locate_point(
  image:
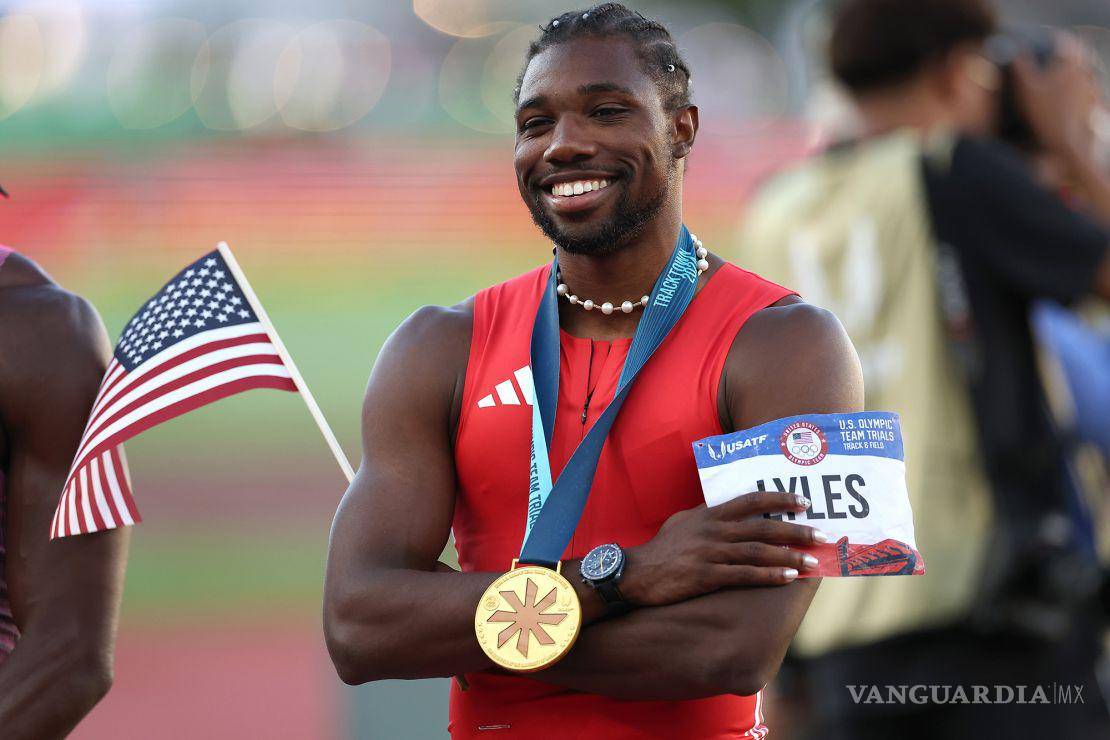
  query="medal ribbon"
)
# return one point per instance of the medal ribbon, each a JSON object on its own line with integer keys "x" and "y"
{"x": 555, "y": 508}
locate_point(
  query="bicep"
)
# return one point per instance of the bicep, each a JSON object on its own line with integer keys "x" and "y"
{"x": 806, "y": 365}
{"x": 397, "y": 511}
{"x": 48, "y": 392}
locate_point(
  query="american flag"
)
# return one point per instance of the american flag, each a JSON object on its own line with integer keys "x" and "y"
{"x": 804, "y": 437}
{"x": 196, "y": 341}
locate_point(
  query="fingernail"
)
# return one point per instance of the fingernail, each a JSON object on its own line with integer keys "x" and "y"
{"x": 802, "y": 501}
{"x": 819, "y": 536}
{"x": 810, "y": 561}
{"x": 790, "y": 574}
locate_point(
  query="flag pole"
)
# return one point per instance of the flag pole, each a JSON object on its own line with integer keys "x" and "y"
{"x": 298, "y": 380}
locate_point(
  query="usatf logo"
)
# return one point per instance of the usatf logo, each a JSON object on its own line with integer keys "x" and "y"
{"x": 803, "y": 443}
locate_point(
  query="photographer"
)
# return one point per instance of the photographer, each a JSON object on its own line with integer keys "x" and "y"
{"x": 931, "y": 237}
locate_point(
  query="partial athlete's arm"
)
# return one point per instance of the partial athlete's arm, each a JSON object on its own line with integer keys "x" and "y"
{"x": 731, "y": 641}
{"x": 65, "y": 594}
{"x": 388, "y": 613}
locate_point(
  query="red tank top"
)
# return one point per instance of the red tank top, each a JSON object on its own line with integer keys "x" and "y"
{"x": 8, "y": 630}
{"x": 645, "y": 474}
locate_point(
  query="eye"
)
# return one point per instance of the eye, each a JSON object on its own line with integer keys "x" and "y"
{"x": 609, "y": 111}
{"x": 531, "y": 124}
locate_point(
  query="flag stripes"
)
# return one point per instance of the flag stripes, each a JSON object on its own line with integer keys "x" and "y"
{"x": 195, "y": 342}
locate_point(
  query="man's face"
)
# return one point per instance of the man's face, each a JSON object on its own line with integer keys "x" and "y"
{"x": 590, "y": 118}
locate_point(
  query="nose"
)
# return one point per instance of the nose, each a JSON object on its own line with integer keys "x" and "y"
{"x": 570, "y": 142}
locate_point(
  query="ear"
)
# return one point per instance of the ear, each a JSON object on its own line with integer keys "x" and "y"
{"x": 685, "y": 125}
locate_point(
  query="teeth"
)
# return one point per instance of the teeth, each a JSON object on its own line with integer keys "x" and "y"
{"x": 566, "y": 189}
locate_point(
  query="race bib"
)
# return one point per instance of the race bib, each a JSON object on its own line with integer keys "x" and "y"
{"x": 851, "y": 468}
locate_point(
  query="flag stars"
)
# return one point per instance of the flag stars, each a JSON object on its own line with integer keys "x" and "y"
{"x": 244, "y": 314}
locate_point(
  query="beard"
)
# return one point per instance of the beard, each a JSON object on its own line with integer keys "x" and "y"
{"x": 624, "y": 225}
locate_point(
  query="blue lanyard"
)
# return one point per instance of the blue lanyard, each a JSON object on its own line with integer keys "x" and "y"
{"x": 554, "y": 509}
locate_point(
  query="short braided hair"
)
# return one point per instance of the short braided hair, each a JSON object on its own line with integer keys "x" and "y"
{"x": 654, "y": 45}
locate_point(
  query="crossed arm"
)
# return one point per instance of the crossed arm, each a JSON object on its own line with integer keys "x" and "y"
{"x": 65, "y": 594}
{"x": 390, "y": 613}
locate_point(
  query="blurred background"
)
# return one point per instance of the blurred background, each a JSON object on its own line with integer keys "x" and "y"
{"x": 357, "y": 158}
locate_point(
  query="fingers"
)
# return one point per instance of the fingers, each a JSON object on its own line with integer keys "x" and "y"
{"x": 768, "y": 556}
{"x": 774, "y": 531}
{"x": 760, "y": 502}
{"x": 751, "y": 575}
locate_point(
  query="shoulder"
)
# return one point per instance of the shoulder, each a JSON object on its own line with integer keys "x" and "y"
{"x": 426, "y": 355}
{"x": 17, "y": 270}
{"x": 793, "y": 328}
{"x": 432, "y": 327}
{"x": 792, "y": 357}
{"x": 53, "y": 345}
{"x": 34, "y": 307}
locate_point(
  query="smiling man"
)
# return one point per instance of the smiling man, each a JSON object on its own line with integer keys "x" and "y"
{"x": 685, "y": 611}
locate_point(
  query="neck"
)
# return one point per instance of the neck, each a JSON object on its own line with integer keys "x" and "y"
{"x": 912, "y": 106}
{"x": 624, "y": 275}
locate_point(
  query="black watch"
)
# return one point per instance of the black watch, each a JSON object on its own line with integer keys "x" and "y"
{"x": 602, "y": 569}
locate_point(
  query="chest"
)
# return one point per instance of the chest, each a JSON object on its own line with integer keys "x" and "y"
{"x": 646, "y": 470}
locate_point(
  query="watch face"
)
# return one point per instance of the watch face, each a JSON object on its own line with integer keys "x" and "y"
{"x": 602, "y": 562}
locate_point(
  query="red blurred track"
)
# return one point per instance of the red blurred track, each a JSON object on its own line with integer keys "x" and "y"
{"x": 228, "y": 682}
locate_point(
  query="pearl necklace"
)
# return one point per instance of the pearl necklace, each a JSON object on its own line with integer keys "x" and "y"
{"x": 628, "y": 306}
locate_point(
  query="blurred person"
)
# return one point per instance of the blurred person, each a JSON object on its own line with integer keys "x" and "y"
{"x": 59, "y": 600}
{"x": 604, "y": 125}
{"x": 930, "y": 239}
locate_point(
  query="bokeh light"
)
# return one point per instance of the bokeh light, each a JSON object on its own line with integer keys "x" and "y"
{"x": 738, "y": 77}
{"x": 477, "y": 63}
{"x": 465, "y": 18}
{"x": 61, "y": 25}
{"x": 238, "y": 93}
{"x": 156, "y": 72}
{"x": 500, "y": 72}
{"x": 331, "y": 74}
{"x": 22, "y": 55}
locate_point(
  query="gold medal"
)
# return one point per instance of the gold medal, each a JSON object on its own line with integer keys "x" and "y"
{"x": 528, "y": 618}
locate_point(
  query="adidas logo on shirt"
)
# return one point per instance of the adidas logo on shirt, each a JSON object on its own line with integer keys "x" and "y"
{"x": 506, "y": 393}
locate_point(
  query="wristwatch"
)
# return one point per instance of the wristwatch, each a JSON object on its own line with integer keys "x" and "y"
{"x": 602, "y": 569}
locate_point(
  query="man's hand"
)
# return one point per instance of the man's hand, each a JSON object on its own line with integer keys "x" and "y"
{"x": 701, "y": 550}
